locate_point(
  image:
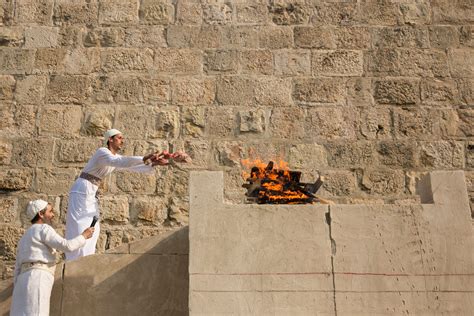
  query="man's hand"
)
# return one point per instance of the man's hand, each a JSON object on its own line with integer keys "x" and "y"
{"x": 88, "y": 232}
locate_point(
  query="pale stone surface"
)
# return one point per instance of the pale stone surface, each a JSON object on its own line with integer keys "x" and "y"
{"x": 118, "y": 11}
{"x": 76, "y": 150}
{"x": 293, "y": 62}
{"x": 178, "y": 61}
{"x": 54, "y": 180}
{"x": 60, "y": 120}
{"x": 16, "y": 61}
{"x": 126, "y": 59}
{"x": 34, "y": 11}
{"x": 33, "y": 152}
{"x": 5, "y": 152}
{"x": 114, "y": 209}
{"x": 149, "y": 210}
{"x": 7, "y": 87}
{"x": 252, "y": 121}
{"x": 8, "y": 210}
{"x": 248, "y": 278}
{"x": 336, "y": 63}
{"x": 331, "y": 123}
{"x": 399, "y": 91}
{"x": 41, "y": 37}
{"x": 31, "y": 89}
{"x": 320, "y": 90}
{"x": 68, "y": 89}
{"x": 133, "y": 182}
{"x": 156, "y": 12}
{"x": 193, "y": 91}
{"x": 314, "y": 37}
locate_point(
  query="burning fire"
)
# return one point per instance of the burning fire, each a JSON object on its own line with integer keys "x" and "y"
{"x": 274, "y": 183}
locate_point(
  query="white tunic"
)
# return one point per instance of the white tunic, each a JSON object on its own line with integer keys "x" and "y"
{"x": 83, "y": 204}
{"x": 32, "y": 288}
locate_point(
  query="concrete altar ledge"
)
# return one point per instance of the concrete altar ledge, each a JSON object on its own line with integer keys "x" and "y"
{"x": 331, "y": 259}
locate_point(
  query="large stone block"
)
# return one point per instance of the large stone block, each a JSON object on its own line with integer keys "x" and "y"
{"x": 223, "y": 122}
{"x": 423, "y": 63}
{"x": 235, "y": 91}
{"x": 398, "y": 154}
{"x": 382, "y": 62}
{"x": 275, "y": 37}
{"x": 41, "y": 36}
{"x": 134, "y": 182}
{"x": 8, "y": 210}
{"x": 375, "y": 123}
{"x": 397, "y": 91}
{"x": 442, "y": 154}
{"x": 166, "y": 124}
{"x": 404, "y": 36}
{"x": 82, "y": 61}
{"x": 10, "y": 235}
{"x": 118, "y": 11}
{"x": 319, "y": 37}
{"x": 145, "y": 36}
{"x": 288, "y": 123}
{"x": 76, "y": 149}
{"x": 242, "y": 36}
{"x": 157, "y": 12}
{"x": 383, "y": 182}
{"x": 149, "y": 210}
{"x": 98, "y": 119}
{"x": 114, "y": 209}
{"x": 76, "y": 12}
{"x": 251, "y": 12}
{"x": 5, "y": 152}
{"x": 71, "y": 35}
{"x": 252, "y": 121}
{"x": 221, "y": 61}
{"x": 188, "y": 12}
{"x": 466, "y": 37}
{"x": 229, "y": 153}
{"x": 448, "y": 12}
{"x": 34, "y": 11}
{"x": 193, "y": 91}
{"x": 339, "y": 183}
{"x": 293, "y": 62}
{"x": 217, "y": 12}
{"x": 354, "y": 37}
{"x": 461, "y": 63}
{"x": 273, "y": 92}
{"x": 68, "y": 89}
{"x": 337, "y": 63}
{"x": 33, "y": 152}
{"x": 126, "y": 59}
{"x": 104, "y": 37}
{"x": 54, "y": 180}
{"x": 466, "y": 123}
{"x": 136, "y": 122}
{"x": 7, "y": 88}
{"x": 18, "y": 119}
{"x": 16, "y": 61}
{"x": 307, "y": 156}
{"x": 15, "y": 179}
{"x": 351, "y": 155}
{"x": 7, "y": 10}
{"x": 30, "y": 89}
{"x": 49, "y": 60}
{"x": 444, "y": 36}
{"x": 418, "y": 13}
{"x": 60, "y": 120}
{"x": 379, "y": 13}
{"x": 12, "y": 36}
{"x": 178, "y": 61}
{"x": 335, "y": 13}
{"x": 204, "y": 36}
{"x": 331, "y": 123}
{"x": 319, "y": 90}
{"x": 194, "y": 121}
{"x": 289, "y": 12}
{"x": 437, "y": 91}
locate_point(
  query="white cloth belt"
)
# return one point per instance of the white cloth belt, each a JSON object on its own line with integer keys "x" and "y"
{"x": 50, "y": 267}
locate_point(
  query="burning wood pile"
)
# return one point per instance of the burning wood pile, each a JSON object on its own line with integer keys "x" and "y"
{"x": 267, "y": 185}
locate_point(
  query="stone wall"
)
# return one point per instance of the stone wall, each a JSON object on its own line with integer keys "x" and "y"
{"x": 371, "y": 94}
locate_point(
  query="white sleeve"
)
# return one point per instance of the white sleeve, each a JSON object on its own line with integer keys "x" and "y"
{"x": 17, "y": 269}
{"x": 53, "y": 240}
{"x": 106, "y": 158}
{"x": 140, "y": 168}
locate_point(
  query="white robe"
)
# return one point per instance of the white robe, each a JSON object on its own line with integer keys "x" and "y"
{"x": 32, "y": 288}
{"x": 83, "y": 204}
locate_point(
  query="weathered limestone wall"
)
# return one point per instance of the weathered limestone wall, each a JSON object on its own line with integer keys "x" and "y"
{"x": 370, "y": 93}
{"x": 331, "y": 259}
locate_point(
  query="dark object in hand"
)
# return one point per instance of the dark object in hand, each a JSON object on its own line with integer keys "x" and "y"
{"x": 94, "y": 220}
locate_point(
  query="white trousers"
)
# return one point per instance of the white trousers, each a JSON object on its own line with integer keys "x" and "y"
{"x": 80, "y": 211}
{"x": 31, "y": 293}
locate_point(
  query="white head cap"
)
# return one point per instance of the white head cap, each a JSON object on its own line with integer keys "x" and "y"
{"x": 110, "y": 133}
{"x": 34, "y": 207}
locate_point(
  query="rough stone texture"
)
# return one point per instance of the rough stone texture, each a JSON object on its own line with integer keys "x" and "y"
{"x": 375, "y": 86}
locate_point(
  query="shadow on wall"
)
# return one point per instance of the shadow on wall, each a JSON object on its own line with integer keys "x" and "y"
{"x": 147, "y": 277}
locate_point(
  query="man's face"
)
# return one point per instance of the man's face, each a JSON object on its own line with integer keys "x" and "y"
{"x": 116, "y": 142}
{"x": 48, "y": 215}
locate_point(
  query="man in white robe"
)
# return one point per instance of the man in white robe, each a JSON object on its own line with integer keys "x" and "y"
{"x": 36, "y": 261}
{"x": 83, "y": 204}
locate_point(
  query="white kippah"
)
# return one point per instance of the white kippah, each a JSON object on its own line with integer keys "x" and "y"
{"x": 110, "y": 133}
{"x": 34, "y": 207}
